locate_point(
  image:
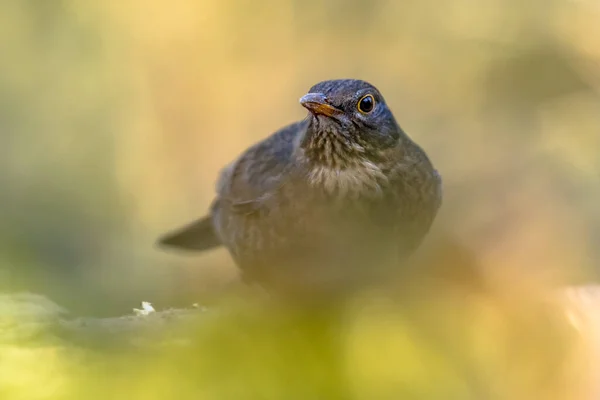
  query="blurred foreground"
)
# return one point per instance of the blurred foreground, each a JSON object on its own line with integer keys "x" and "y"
{"x": 436, "y": 338}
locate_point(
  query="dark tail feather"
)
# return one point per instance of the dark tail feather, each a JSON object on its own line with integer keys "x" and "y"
{"x": 197, "y": 236}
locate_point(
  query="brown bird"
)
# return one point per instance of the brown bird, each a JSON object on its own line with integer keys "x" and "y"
{"x": 324, "y": 205}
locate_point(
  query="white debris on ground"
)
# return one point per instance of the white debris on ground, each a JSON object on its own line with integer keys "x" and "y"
{"x": 146, "y": 309}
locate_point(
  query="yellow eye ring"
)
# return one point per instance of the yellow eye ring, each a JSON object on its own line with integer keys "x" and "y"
{"x": 366, "y": 104}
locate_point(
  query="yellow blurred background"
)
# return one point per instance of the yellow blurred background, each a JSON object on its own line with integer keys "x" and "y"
{"x": 116, "y": 117}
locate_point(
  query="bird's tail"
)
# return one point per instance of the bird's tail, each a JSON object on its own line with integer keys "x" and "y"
{"x": 197, "y": 236}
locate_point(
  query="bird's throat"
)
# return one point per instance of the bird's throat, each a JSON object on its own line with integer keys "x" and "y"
{"x": 340, "y": 165}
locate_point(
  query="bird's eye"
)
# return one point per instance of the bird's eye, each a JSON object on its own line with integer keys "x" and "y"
{"x": 366, "y": 104}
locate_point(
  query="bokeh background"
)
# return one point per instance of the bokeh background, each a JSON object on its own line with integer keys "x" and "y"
{"x": 116, "y": 116}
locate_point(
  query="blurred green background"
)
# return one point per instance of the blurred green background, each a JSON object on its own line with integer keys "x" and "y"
{"x": 116, "y": 116}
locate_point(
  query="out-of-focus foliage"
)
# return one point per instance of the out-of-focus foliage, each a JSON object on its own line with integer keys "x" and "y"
{"x": 444, "y": 347}
{"x": 115, "y": 118}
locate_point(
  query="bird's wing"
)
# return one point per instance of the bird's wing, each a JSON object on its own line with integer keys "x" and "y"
{"x": 249, "y": 182}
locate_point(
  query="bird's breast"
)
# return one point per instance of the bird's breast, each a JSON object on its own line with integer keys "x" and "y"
{"x": 362, "y": 178}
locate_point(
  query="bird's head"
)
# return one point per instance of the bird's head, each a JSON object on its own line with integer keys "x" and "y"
{"x": 350, "y": 112}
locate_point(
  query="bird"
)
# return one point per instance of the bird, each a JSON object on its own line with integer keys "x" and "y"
{"x": 324, "y": 206}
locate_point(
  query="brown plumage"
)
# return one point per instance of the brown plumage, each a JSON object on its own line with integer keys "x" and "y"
{"x": 323, "y": 205}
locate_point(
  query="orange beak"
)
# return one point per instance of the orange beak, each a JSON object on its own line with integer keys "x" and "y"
{"x": 317, "y": 103}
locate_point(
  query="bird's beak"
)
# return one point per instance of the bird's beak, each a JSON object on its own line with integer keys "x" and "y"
{"x": 317, "y": 103}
